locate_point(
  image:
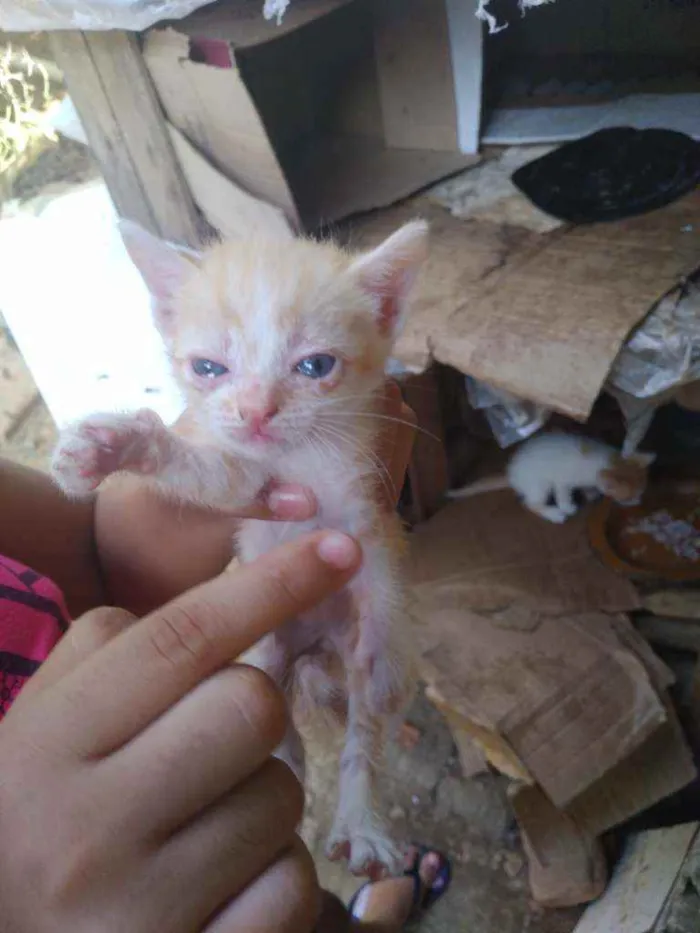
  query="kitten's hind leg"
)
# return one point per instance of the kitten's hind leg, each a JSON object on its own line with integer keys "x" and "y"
{"x": 538, "y": 505}
{"x": 564, "y": 498}
{"x": 358, "y": 832}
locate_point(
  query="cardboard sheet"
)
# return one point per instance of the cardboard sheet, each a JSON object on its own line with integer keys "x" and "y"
{"x": 507, "y": 612}
{"x": 329, "y": 146}
{"x": 490, "y": 554}
{"x": 569, "y": 706}
{"x": 524, "y": 645}
{"x": 566, "y": 864}
{"x": 541, "y": 316}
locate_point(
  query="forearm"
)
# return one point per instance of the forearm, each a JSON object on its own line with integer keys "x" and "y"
{"x": 43, "y": 529}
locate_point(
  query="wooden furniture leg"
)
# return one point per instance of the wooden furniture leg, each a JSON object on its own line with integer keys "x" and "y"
{"x": 117, "y": 103}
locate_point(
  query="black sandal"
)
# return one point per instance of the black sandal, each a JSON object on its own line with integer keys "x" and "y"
{"x": 423, "y": 898}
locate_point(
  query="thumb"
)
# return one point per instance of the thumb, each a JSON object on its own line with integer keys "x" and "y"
{"x": 86, "y": 635}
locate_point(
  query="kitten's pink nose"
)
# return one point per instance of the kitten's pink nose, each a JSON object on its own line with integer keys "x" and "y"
{"x": 256, "y": 417}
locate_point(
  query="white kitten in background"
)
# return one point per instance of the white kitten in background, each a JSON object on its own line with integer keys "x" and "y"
{"x": 546, "y": 470}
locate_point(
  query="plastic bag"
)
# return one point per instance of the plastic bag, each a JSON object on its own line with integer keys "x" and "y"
{"x": 33, "y": 15}
{"x": 664, "y": 351}
{"x": 510, "y": 418}
{"x": 660, "y": 356}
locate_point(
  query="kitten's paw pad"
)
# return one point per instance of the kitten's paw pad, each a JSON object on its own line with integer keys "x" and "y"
{"x": 368, "y": 849}
{"x": 90, "y": 450}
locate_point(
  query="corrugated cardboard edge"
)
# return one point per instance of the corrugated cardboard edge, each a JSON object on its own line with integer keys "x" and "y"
{"x": 494, "y": 747}
{"x": 228, "y": 208}
{"x": 566, "y": 863}
{"x": 200, "y": 99}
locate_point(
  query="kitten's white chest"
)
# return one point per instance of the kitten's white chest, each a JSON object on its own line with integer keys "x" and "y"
{"x": 342, "y": 500}
{"x": 337, "y": 509}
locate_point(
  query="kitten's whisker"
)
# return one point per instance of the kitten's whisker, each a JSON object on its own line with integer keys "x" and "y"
{"x": 373, "y": 414}
{"x": 369, "y": 456}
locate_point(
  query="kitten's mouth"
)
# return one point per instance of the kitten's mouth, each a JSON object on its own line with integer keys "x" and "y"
{"x": 260, "y": 437}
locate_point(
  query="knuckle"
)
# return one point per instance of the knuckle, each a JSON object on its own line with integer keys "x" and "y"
{"x": 296, "y": 887}
{"x": 272, "y": 811}
{"x": 100, "y": 626}
{"x": 259, "y": 703}
{"x": 285, "y": 587}
{"x": 289, "y": 793}
{"x": 181, "y": 637}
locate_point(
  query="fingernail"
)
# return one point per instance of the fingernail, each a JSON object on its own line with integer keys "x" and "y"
{"x": 338, "y": 550}
{"x": 290, "y": 501}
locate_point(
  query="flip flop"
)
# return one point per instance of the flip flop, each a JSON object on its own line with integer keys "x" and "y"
{"x": 423, "y": 898}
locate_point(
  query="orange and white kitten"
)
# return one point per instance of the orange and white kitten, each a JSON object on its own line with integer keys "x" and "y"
{"x": 280, "y": 345}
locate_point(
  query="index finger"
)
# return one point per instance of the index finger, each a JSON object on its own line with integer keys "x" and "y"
{"x": 140, "y": 674}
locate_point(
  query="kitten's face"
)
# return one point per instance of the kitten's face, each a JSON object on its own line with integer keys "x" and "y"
{"x": 277, "y": 342}
{"x": 626, "y": 478}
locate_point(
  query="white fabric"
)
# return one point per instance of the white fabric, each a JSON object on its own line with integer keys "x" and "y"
{"x": 136, "y": 15}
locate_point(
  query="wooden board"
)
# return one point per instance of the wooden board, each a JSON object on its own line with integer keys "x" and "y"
{"x": 117, "y": 104}
{"x": 641, "y": 883}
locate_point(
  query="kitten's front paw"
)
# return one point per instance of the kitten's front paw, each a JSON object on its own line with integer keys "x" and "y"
{"x": 552, "y": 514}
{"x": 90, "y": 450}
{"x": 367, "y": 847}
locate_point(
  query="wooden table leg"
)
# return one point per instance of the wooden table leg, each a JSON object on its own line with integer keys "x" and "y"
{"x": 117, "y": 103}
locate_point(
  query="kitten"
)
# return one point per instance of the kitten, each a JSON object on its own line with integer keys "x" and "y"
{"x": 548, "y": 469}
{"x": 279, "y": 346}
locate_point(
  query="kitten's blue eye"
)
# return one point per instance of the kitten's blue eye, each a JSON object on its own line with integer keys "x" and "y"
{"x": 209, "y": 369}
{"x": 317, "y": 366}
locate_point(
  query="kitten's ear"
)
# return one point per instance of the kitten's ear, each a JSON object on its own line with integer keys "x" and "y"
{"x": 642, "y": 459}
{"x": 388, "y": 272}
{"x": 163, "y": 267}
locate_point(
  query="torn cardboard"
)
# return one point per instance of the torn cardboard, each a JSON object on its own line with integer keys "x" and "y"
{"x": 570, "y": 707}
{"x": 489, "y": 553}
{"x": 540, "y": 316}
{"x": 228, "y": 208}
{"x": 566, "y": 864}
{"x": 515, "y": 649}
{"x": 332, "y": 144}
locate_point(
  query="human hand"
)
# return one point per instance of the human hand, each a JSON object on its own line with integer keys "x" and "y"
{"x": 150, "y": 549}
{"x": 138, "y": 793}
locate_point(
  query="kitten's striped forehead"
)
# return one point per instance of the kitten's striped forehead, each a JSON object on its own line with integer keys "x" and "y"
{"x": 260, "y": 301}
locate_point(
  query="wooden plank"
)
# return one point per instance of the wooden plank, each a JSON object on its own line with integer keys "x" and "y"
{"x": 642, "y": 882}
{"x": 682, "y": 914}
{"x": 428, "y": 470}
{"x": 672, "y": 632}
{"x": 114, "y": 96}
{"x": 684, "y": 603}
